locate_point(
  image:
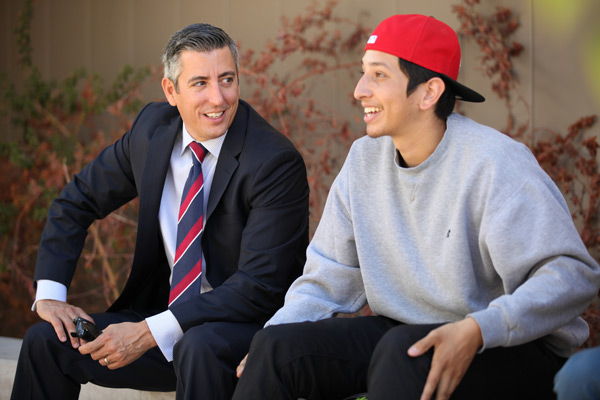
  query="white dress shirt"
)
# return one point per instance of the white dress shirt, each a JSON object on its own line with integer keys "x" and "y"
{"x": 164, "y": 326}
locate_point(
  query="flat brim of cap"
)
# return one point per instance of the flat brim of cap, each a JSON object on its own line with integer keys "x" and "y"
{"x": 461, "y": 92}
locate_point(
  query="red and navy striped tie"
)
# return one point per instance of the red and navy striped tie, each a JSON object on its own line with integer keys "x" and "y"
{"x": 187, "y": 266}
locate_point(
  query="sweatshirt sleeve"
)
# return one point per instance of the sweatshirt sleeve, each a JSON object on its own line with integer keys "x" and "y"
{"x": 332, "y": 281}
{"x": 548, "y": 275}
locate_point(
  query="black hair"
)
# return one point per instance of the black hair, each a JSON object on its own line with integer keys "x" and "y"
{"x": 417, "y": 75}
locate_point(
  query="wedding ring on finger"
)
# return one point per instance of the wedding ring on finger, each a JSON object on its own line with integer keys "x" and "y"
{"x": 106, "y": 361}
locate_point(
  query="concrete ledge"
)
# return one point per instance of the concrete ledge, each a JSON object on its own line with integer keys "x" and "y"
{"x": 9, "y": 353}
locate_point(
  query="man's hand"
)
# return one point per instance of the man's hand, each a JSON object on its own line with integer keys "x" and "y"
{"x": 61, "y": 315}
{"x": 455, "y": 346}
{"x": 120, "y": 344}
{"x": 240, "y": 368}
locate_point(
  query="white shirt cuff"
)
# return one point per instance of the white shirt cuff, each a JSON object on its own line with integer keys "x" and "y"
{"x": 166, "y": 332}
{"x": 49, "y": 290}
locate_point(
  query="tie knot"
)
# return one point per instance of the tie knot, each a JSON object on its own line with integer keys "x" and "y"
{"x": 198, "y": 152}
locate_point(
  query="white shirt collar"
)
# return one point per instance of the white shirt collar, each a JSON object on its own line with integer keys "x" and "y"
{"x": 213, "y": 145}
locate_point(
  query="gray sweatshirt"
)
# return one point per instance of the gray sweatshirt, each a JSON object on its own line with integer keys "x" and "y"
{"x": 478, "y": 229}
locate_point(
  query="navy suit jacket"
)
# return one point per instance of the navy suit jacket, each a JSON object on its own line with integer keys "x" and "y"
{"x": 256, "y": 230}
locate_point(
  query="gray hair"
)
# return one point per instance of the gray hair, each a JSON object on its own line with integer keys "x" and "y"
{"x": 195, "y": 37}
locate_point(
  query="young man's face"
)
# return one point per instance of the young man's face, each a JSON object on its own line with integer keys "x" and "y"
{"x": 382, "y": 93}
{"x": 208, "y": 92}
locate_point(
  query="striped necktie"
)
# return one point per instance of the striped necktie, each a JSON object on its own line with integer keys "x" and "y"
{"x": 187, "y": 265}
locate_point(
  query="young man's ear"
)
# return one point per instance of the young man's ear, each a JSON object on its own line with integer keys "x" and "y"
{"x": 169, "y": 90}
{"x": 433, "y": 90}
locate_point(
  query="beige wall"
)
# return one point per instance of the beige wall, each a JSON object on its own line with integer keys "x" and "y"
{"x": 103, "y": 35}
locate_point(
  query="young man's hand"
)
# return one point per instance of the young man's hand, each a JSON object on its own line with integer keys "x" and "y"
{"x": 455, "y": 345}
{"x": 240, "y": 368}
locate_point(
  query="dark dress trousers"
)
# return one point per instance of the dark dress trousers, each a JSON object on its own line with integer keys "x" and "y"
{"x": 254, "y": 244}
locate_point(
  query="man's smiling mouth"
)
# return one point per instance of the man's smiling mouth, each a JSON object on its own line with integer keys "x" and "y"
{"x": 372, "y": 110}
{"x": 214, "y": 115}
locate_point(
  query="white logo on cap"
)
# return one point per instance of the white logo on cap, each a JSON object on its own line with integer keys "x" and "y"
{"x": 372, "y": 39}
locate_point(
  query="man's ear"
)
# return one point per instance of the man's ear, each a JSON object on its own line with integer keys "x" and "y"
{"x": 169, "y": 90}
{"x": 434, "y": 88}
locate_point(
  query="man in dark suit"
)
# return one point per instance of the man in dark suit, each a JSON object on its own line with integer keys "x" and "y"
{"x": 253, "y": 231}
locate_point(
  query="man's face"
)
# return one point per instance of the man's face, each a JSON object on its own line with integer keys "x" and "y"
{"x": 208, "y": 92}
{"x": 382, "y": 93}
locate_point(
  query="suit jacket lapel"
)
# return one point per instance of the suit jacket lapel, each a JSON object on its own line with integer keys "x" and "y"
{"x": 155, "y": 171}
{"x": 228, "y": 158}
{"x": 148, "y": 249}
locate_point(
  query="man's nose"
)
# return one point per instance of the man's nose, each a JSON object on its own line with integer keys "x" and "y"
{"x": 215, "y": 95}
{"x": 361, "y": 90}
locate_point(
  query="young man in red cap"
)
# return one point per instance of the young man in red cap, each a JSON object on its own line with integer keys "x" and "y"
{"x": 461, "y": 245}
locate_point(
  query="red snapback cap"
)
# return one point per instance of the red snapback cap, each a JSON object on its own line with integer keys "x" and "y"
{"x": 424, "y": 41}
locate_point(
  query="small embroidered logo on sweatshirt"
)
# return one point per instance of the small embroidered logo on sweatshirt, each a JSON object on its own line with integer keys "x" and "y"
{"x": 448, "y": 234}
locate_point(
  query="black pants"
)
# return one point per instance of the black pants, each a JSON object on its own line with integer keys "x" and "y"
{"x": 335, "y": 358}
{"x": 203, "y": 366}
